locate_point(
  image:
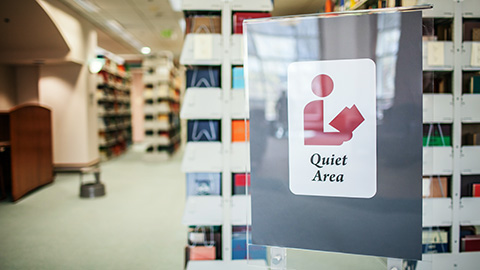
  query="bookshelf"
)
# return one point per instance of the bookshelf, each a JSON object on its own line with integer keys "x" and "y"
{"x": 114, "y": 115}
{"x": 211, "y": 53}
{"x": 449, "y": 58}
{"x": 161, "y": 97}
{"x": 449, "y": 61}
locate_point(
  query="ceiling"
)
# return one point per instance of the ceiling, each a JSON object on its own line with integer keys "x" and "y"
{"x": 127, "y": 25}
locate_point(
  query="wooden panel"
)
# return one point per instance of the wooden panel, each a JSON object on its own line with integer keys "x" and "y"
{"x": 31, "y": 148}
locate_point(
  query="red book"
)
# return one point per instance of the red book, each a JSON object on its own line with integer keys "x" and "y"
{"x": 476, "y": 190}
{"x": 471, "y": 243}
{"x": 239, "y": 17}
{"x": 240, "y": 183}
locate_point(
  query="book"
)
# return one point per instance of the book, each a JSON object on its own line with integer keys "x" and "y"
{"x": 434, "y": 241}
{"x": 240, "y": 130}
{"x": 471, "y": 139}
{"x": 200, "y": 184}
{"x": 238, "y": 81}
{"x": 476, "y": 34}
{"x": 476, "y": 190}
{"x": 470, "y": 243}
{"x": 200, "y": 24}
{"x": 240, "y": 251}
{"x": 203, "y": 77}
{"x": 475, "y": 84}
{"x": 437, "y": 135}
{"x": 435, "y": 187}
{"x": 203, "y": 130}
{"x": 239, "y": 17}
{"x": 467, "y": 185}
{"x": 240, "y": 183}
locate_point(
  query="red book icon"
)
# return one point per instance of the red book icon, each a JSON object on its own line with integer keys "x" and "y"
{"x": 345, "y": 122}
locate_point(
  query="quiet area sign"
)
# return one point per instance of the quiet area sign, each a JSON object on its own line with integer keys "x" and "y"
{"x": 332, "y": 128}
{"x": 335, "y": 106}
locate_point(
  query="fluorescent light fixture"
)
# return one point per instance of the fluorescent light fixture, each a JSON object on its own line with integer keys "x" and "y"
{"x": 88, "y": 6}
{"x": 176, "y": 5}
{"x": 115, "y": 26}
{"x": 146, "y": 50}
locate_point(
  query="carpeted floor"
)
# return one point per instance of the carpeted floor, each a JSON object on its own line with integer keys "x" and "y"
{"x": 137, "y": 225}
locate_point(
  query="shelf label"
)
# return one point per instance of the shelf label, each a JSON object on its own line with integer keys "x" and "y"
{"x": 435, "y": 54}
{"x": 202, "y": 47}
{"x": 475, "y": 61}
{"x": 332, "y": 128}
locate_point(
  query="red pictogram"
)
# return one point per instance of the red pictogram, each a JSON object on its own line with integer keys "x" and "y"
{"x": 345, "y": 122}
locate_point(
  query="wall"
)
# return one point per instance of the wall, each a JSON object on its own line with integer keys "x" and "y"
{"x": 7, "y": 87}
{"x": 26, "y": 79}
{"x": 69, "y": 89}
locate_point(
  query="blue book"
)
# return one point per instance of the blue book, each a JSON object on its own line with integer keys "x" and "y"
{"x": 238, "y": 81}
{"x": 203, "y": 77}
{"x": 203, "y": 130}
{"x": 239, "y": 248}
{"x": 199, "y": 184}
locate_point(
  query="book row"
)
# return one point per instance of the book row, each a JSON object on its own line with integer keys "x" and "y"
{"x": 206, "y": 184}
{"x": 210, "y": 130}
{"x": 436, "y": 134}
{"x": 205, "y": 243}
{"x": 440, "y": 82}
{"x": 437, "y": 240}
{"x": 210, "y": 22}
{"x": 203, "y": 76}
{"x": 441, "y": 29}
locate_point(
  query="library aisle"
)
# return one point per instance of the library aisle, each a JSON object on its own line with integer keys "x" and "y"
{"x": 137, "y": 225}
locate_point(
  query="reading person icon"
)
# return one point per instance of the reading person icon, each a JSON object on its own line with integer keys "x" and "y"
{"x": 313, "y": 121}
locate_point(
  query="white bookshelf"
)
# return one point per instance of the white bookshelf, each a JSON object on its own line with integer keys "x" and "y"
{"x": 437, "y": 55}
{"x": 194, "y": 158}
{"x": 224, "y": 50}
{"x": 203, "y": 211}
{"x": 437, "y": 108}
{"x": 455, "y": 161}
{"x": 470, "y": 108}
{"x": 437, "y": 160}
{"x": 230, "y": 265}
{"x": 202, "y": 49}
{"x": 470, "y": 48}
{"x": 202, "y": 103}
{"x": 437, "y": 212}
{"x": 238, "y": 104}
{"x": 470, "y": 160}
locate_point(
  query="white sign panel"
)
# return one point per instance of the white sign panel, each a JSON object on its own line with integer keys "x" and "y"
{"x": 332, "y": 128}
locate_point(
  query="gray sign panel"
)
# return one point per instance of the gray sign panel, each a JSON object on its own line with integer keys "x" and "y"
{"x": 386, "y": 219}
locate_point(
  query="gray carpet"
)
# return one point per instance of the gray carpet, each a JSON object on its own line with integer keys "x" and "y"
{"x": 137, "y": 225}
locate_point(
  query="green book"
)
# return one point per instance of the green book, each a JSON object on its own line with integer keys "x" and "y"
{"x": 475, "y": 85}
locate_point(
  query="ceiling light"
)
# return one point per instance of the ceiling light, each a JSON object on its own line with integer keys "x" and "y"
{"x": 145, "y": 50}
{"x": 96, "y": 65}
{"x": 88, "y": 6}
